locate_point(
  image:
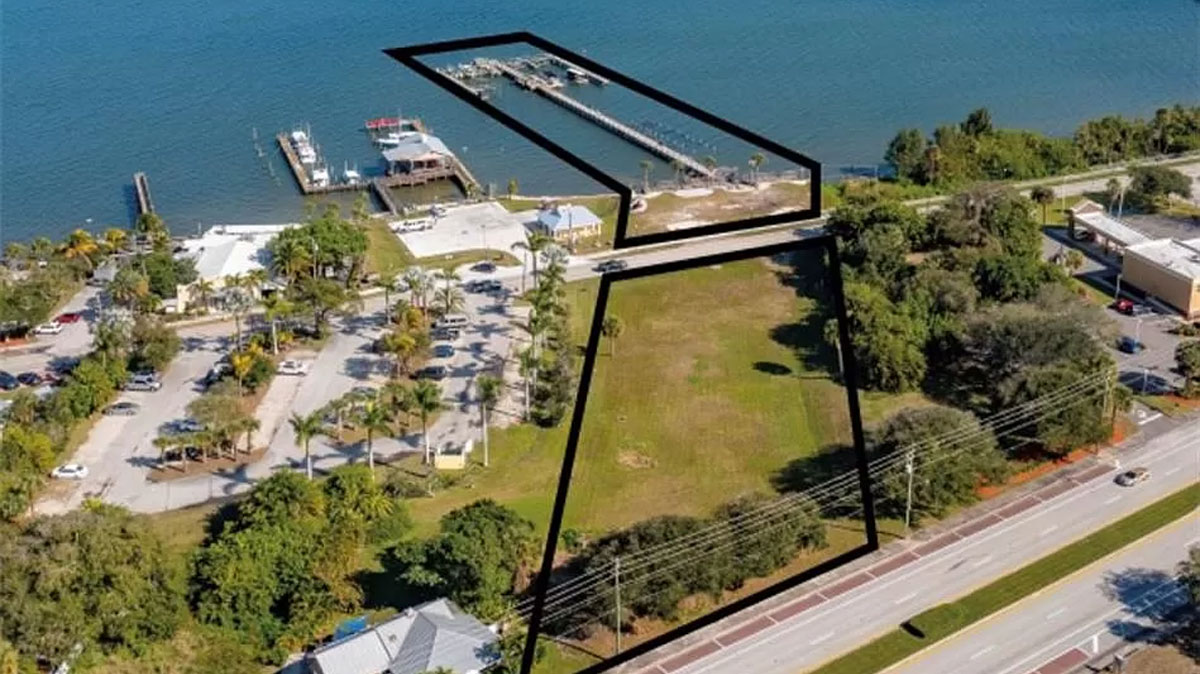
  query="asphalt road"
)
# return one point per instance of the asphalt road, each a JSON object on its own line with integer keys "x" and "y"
{"x": 839, "y": 624}
{"x": 1104, "y": 602}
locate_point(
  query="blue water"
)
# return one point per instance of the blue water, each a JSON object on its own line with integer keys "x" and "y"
{"x": 93, "y": 92}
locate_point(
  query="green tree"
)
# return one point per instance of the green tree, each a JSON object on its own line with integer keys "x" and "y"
{"x": 321, "y": 297}
{"x": 906, "y": 155}
{"x": 1151, "y": 187}
{"x": 127, "y": 287}
{"x": 154, "y": 345}
{"x": 275, "y": 307}
{"x": 487, "y": 388}
{"x": 612, "y": 328}
{"x": 1043, "y": 196}
{"x": 978, "y": 123}
{"x": 1187, "y": 357}
{"x": 888, "y": 344}
{"x": 513, "y": 186}
{"x": 81, "y": 246}
{"x": 97, "y": 577}
{"x": 756, "y": 162}
{"x": 426, "y": 399}
{"x": 306, "y": 427}
{"x": 951, "y": 455}
{"x": 152, "y": 229}
{"x": 373, "y": 417}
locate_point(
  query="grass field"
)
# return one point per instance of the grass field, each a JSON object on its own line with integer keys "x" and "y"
{"x": 942, "y": 621}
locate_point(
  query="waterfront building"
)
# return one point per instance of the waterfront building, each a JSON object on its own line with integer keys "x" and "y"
{"x": 415, "y": 152}
{"x": 568, "y": 222}
{"x": 224, "y": 251}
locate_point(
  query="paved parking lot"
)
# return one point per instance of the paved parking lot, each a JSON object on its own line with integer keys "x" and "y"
{"x": 472, "y": 227}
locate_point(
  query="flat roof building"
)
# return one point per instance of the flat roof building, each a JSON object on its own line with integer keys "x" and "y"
{"x": 567, "y": 222}
{"x": 1168, "y": 270}
{"x": 225, "y": 250}
{"x": 1109, "y": 232}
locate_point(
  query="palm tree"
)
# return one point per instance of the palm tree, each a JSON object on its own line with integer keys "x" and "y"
{"x": 450, "y": 299}
{"x": 338, "y": 408}
{"x": 1042, "y": 195}
{"x": 80, "y": 245}
{"x": 756, "y": 160}
{"x": 487, "y": 388}
{"x": 290, "y": 258}
{"x": 253, "y": 281}
{"x": 41, "y": 249}
{"x": 529, "y": 367}
{"x": 115, "y": 239}
{"x": 203, "y": 290}
{"x": 403, "y": 345}
{"x": 236, "y": 302}
{"x": 127, "y": 287}
{"x": 535, "y": 243}
{"x": 512, "y": 187}
{"x": 111, "y": 337}
{"x": 306, "y": 427}
{"x": 374, "y": 418}
{"x": 833, "y": 338}
{"x": 387, "y": 282}
{"x": 680, "y": 170}
{"x": 647, "y": 167}
{"x": 426, "y": 399}
{"x": 418, "y": 283}
{"x": 447, "y": 276}
{"x": 1112, "y": 189}
{"x": 241, "y": 363}
{"x": 276, "y": 306}
{"x": 152, "y": 227}
{"x": 710, "y": 163}
{"x": 612, "y": 327}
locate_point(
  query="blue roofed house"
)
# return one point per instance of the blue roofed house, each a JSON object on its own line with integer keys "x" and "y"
{"x": 568, "y": 222}
{"x": 415, "y": 152}
{"x": 421, "y": 638}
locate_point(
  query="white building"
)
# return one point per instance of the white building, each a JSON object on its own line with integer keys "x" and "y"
{"x": 226, "y": 250}
{"x": 568, "y": 222}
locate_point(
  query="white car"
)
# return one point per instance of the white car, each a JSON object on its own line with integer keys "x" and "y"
{"x": 70, "y": 471}
{"x": 294, "y": 367}
{"x": 51, "y": 328}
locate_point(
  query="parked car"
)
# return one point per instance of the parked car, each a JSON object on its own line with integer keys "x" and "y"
{"x": 143, "y": 381}
{"x": 484, "y": 267}
{"x": 433, "y": 372}
{"x": 30, "y": 378}
{"x": 443, "y": 350}
{"x": 611, "y": 265}
{"x": 451, "y": 321}
{"x": 9, "y": 382}
{"x": 1128, "y": 344}
{"x": 69, "y": 317}
{"x": 1133, "y": 477}
{"x": 51, "y": 328}
{"x": 70, "y": 471}
{"x": 188, "y": 425}
{"x": 214, "y": 375}
{"x": 293, "y": 367}
{"x": 1124, "y": 306}
{"x": 125, "y": 409}
{"x": 1142, "y": 310}
{"x": 446, "y": 334}
{"x": 490, "y": 285}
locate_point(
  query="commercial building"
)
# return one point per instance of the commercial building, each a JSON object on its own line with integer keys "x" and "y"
{"x": 1112, "y": 235}
{"x": 415, "y": 152}
{"x": 224, "y": 251}
{"x": 1168, "y": 270}
{"x": 423, "y": 638}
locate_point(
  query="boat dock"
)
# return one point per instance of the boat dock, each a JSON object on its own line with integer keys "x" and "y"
{"x": 568, "y": 66}
{"x": 384, "y": 195}
{"x": 540, "y": 86}
{"x": 141, "y": 186}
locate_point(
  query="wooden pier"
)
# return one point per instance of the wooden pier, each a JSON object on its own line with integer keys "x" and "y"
{"x": 141, "y": 186}
{"x": 567, "y": 65}
{"x": 384, "y": 195}
{"x": 536, "y": 84}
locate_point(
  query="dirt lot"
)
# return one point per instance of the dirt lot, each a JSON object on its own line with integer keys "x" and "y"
{"x": 693, "y": 208}
{"x": 1161, "y": 660}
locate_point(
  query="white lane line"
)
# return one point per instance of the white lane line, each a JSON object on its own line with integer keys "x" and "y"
{"x": 981, "y": 562}
{"x": 905, "y": 598}
{"x": 1152, "y": 417}
{"x": 983, "y": 652}
{"x": 1048, "y": 530}
{"x": 1112, "y": 499}
{"x": 1055, "y": 613}
{"x": 823, "y": 637}
{"x": 1174, "y": 470}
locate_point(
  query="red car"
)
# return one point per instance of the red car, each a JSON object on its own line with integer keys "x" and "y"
{"x": 1124, "y": 306}
{"x": 69, "y": 317}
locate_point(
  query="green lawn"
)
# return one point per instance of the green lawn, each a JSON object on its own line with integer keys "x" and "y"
{"x": 942, "y": 621}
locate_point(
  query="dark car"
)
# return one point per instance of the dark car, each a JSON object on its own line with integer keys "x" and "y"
{"x": 432, "y": 372}
{"x": 447, "y": 334}
{"x": 484, "y": 286}
{"x": 484, "y": 267}
{"x": 30, "y": 378}
{"x": 1130, "y": 345}
{"x": 8, "y": 382}
{"x": 611, "y": 265}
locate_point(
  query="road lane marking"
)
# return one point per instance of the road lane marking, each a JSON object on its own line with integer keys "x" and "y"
{"x": 1152, "y": 417}
{"x": 1112, "y": 499}
{"x": 823, "y": 637}
{"x": 981, "y": 562}
{"x": 1048, "y": 530}
{"x": 905, "y": 598}
{"x": 983, "y": 652}
{"x": 1055, "y": 613}
{"x": 1174, "y": 470}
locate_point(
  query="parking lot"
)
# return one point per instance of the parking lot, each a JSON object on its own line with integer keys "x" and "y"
{"x": 472, "y": 227}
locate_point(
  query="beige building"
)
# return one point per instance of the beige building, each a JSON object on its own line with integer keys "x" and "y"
{"x": 1167, "y": 269}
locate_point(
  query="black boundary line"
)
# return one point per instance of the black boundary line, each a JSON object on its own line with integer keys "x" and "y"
{"x": 825, "y": 242}
{"x": 408, "y": 57}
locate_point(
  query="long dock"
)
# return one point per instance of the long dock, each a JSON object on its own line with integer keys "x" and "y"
{"x": 385, "y": 196}
{"x": 536, "y": 84}
{"x": 141, "y": 186}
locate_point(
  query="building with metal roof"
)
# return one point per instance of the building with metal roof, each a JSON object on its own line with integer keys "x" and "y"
{"x": 226, "y": 250}
{"x": 567, "y": 222}
{"x": 1168, "y": 270}
{"x": 415, "y": 151}
{"x": 1108, "y": 231}
{"x": 422, "y": 638}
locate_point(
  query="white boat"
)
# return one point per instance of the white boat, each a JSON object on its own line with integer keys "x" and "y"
{"x": 394, "y": 138}
{"x": 320, "y": 176}
{"x": 351, "y": 175}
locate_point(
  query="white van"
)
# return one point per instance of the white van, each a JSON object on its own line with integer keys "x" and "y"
{"x": 451, "y": 321}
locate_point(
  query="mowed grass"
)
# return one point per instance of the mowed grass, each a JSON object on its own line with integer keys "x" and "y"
{"x": 706, "y": 396}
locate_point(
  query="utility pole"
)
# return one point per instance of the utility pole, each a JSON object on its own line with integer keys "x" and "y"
{"x": 617, "y": 587}
{"x": 1118, "y": 295}
{"x": 908, "y": 468}
{"x": 1145, "y": 377}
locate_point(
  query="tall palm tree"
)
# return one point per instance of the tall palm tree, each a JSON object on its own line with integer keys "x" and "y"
{"x": 275, "y": 306}
{"x": 80, "y": 245}
{"x": 253, "y": 281}
{"x": 374, "y": 418}
{"x": 512, "y": 187}
{"x": 448, "y": 277}
{"x": 127, "y": 287}
{"x": 403, "y": 345}
{"x": 487, "y": 388}
{"x": 203, "y": 290}
{"x": 647, "y": 167}
{"x": 418, "y": 283}
{"x": 115, "y": 239}
{"x": 426, "y": 399}
{"x": 612, "y": 327}
{"x": 388, "y": 283}
{"x": 450, "y": 299}
{"x": 111, "y": 336}
{"x": 306, "y": 427}
{"x": 241, "y": 363}
{"x": 756, "y": 161}
{"x": 535, "y": 243}
{"x": 290, "y": 258}
{"x": 338, "y": 408}
{"x": 1043, "y": 196}
{"x": 236, "y": 301}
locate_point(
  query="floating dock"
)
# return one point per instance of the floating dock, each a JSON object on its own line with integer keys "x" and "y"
{"x": 540, "y": 86}
{"x": 141, "y": 186}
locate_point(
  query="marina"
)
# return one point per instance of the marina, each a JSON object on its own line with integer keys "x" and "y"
{"x": 531, "y": 73}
